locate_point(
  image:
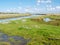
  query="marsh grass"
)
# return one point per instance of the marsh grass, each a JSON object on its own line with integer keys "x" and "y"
{"x": 4, "y": 43}
{"x": 55, "y": 20}
{"x": 40, "y": 32}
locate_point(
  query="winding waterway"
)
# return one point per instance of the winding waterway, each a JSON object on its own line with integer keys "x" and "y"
{"x": 18, "y": 18}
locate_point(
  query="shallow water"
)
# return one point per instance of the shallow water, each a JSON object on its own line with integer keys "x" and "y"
{"x": 13, "y": 40}
{"x": 47, "y": 19}
{"x": 18, "y": 18}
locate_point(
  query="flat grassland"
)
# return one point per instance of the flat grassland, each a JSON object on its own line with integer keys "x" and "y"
{"x": 35, "y": 29}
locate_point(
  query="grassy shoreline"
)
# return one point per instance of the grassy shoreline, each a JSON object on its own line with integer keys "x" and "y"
{"x": 4, "y": 16}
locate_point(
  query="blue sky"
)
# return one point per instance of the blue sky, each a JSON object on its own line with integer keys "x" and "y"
{"x": 31, "y": 6}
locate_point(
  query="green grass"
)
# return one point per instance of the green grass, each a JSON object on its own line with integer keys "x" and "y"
{"x": 4, "y": 43}
{"x": 39, "y": 33}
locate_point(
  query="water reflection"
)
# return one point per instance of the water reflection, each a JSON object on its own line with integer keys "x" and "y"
{"x": 47, "y": 19}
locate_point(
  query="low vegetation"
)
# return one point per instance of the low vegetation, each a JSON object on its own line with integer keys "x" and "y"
{"x": 35, "y": 29}
{"x": 55, "y": 19}
{"x": 4, "y": 43}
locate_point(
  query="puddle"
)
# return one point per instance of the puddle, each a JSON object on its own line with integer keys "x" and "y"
{"x": 47, "y": 19}
{"x": 13, "y": 40}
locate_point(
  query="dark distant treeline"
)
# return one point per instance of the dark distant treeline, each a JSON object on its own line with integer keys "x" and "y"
{"x": 40, "y": 14}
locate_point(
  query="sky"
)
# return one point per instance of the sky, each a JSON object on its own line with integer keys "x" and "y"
{"x": 30, "y": 6}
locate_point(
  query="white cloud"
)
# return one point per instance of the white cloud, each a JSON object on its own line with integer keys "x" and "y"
{"x": 11, "y": 10}
{"x": 51, "y": 8}
{"x": 8, "y": 10}
{"x": 43, "y": 1}
{"x": 48, "y": 5}
{"x": 57, "y": 7}
{"x": 48, "y": 1}
{"x": 37, "y": 9}
{"x": 38, "y": 1}
{"x": 27, "y": 10}
{"x": 19, "y": 8}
